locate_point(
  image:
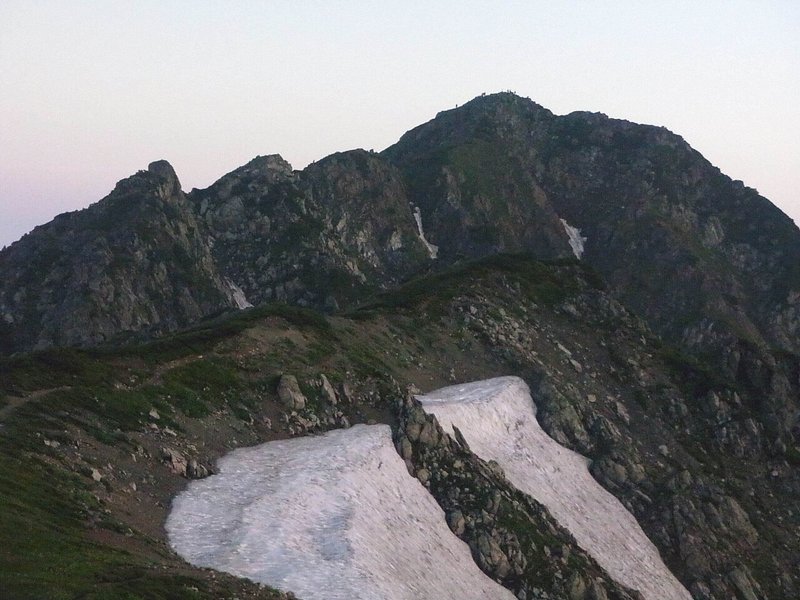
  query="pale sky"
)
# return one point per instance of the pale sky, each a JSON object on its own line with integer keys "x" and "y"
{"x": 92, "y": 91}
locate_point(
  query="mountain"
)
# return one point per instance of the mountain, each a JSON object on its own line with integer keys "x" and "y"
{"x": 648, "y": 300}
{"x": 498, "y": 174}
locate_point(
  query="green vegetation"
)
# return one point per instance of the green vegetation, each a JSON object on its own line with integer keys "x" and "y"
{"x": 694, "y": 376}
{"x": 545, "y": 282}
{"x": 204, "y": 336}
{"x": 45, "y": 546}
{"x": 52, "y": 368}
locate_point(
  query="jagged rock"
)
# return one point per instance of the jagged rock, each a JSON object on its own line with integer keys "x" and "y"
{"x": 174, "y": 460}
{"x": 164, "y": 170}
{"x": 405, "y": 448}
{"x": 490, "y": 557}
{"x": 598, "y": 591}
{"x": 737, "y": 520}
{"x": 576, "y": 587}
{"x": 456, "y": 522}
{"x": 423, "y": 475}
{"x": 459, "y": 437}
{"x": 328, "y": 394}
{"x": 700, "y": 590}
{"x": 742, "y": 585}
{"x": 289, "y": 393}
{"x": 195, "y": 470}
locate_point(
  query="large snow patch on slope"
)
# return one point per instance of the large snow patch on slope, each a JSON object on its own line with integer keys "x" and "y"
{"x": 498, "y": 420}
{"x": 329, "y": 517}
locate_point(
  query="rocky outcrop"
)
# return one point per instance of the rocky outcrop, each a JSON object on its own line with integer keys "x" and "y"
{"x": 496, "y": 172}
{"x": 289, "y": 393}
{"x": 177, "y": 462}
{"x": 322, "y": 237}
{"x": 513, "y": 538}
{"x": 137, "y": 260}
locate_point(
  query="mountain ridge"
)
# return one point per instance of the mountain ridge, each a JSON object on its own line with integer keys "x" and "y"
{"x": 665, "y": 346}
{"x": 494, "y": 175}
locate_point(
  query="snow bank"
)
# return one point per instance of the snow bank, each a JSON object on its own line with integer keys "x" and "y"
{"x": 576, "y": 241}
{"x": 329, "y": 517}
{"x": 498, "y": 420}
{"x": 237, "y": 294}
{"x": 433, "y": 251}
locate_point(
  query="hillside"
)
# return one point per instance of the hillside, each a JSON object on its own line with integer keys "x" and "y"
{"x": 95, "y": 443}
{"x": 648, "y": 301}
{"x": 707, "y": 261}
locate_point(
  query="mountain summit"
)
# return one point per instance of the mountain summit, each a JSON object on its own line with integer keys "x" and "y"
{"x": 650, "y": 303}
{"x": 498, "y": 174}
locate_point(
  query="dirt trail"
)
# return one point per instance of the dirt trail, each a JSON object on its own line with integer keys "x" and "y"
{"x": 14, "y": 402}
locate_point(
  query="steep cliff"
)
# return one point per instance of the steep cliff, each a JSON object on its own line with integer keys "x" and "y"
{"x": 136, "y": 260}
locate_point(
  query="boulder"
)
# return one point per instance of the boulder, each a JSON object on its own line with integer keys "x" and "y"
{"x": 174, "y": 460}
{"x": 289, "y": 393}
{"x": 328, "y": 394}
{"x": 195, "y": 470}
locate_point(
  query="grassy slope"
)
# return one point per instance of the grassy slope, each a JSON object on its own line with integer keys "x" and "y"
{"x": 65, "y": 535}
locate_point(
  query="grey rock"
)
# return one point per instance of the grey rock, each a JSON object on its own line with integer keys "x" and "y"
{"x": 328, "y": 394}
{"x": 176, "y": 462}
{"x": 289, "y": 393}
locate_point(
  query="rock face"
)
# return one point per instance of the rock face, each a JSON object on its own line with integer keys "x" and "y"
{"x": 320, "y": 237}
{"x": 136, "y": 260}
{"x": 498, "y": 174}
{"x": 690, "y": 396}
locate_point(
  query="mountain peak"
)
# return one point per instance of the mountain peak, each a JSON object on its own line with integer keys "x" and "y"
{"x": 269, "y": 163}
{"x": 163, "y": 169}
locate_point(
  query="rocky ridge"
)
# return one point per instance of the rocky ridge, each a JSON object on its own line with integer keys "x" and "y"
{"x": 498, "y": 174}
{"x": 668, "y": 353}
{"x": 512, "y": 537}
{"x": 661, "y": 433}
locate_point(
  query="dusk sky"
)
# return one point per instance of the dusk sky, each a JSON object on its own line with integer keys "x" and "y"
{"x": 91, "y": 92}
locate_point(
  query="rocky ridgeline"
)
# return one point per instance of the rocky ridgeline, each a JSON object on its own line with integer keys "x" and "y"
{"x": 668, "y": 353}
{"x": 135, "y": 261}
{"x": 320, "y": 237}
{"x": 499, "y": 174}
{"x": 512, "y": 537}
{"x": 656, "y": 426}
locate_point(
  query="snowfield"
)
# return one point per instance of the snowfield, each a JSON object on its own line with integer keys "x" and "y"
{"x": 576, "y": 240}
{"x": 330, "y": 517}
{"x": 433, "y": 251}
{"x": 498, "y": 420}
{"x": 237, "y": 295}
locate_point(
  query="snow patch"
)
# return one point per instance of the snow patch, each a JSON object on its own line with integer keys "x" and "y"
{"x": 498, "y": 420}
{"x": 237, "y": 295}
{"x": 576, "y": 241}
{"x": 329, "y": 517}
{"x": 433, "y": 251}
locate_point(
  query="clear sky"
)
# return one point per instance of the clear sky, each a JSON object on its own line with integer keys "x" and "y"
{"x": 92, "y": 91}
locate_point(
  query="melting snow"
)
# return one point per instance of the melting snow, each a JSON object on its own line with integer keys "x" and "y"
{"x": 238, "y": 295}
{"x": 432, "y": 250}
{"x": 576, "y": 241}
{"x": 498, "y": 420}
{"x": 328, "y": 517}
